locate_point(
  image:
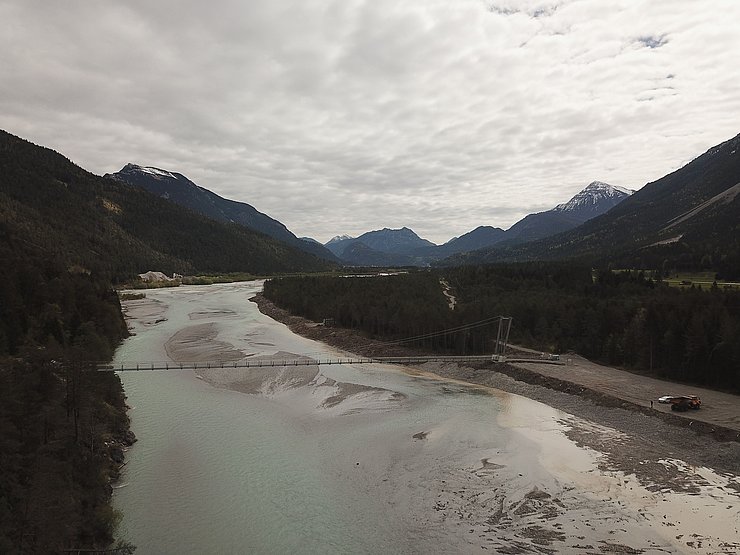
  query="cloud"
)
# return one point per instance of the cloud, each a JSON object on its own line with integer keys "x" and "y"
{"x": 349, "y": 115}
{"x": 653, "y": 42}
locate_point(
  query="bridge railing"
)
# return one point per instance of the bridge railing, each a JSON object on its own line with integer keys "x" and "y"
{"x": 305, "y": 361}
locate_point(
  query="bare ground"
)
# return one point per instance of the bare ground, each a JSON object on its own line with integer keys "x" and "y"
{"x": 645, "y": 436}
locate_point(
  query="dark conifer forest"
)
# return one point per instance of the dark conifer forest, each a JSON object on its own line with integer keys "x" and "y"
{"x": 625, "y": 319}
{"x": 61, "y": 426}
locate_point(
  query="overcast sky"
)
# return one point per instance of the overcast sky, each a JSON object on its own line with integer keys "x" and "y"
{"x": 351, "y": 115}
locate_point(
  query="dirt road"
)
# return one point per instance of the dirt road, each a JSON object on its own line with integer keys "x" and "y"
{"x": 721, "y": 409}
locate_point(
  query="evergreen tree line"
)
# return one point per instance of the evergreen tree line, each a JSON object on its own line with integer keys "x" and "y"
{"x": 58, "y": 420}
{"x": 625, "y": 319}
{"x": 391, "y": 307}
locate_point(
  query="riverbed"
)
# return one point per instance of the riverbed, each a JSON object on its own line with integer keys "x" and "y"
{"x": 367, "y": 458}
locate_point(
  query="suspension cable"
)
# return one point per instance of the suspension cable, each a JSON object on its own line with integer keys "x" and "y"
{"x": 429, "y": 335}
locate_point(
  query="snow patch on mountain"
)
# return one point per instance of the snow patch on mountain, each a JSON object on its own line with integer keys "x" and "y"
{"x": 623, "y": 190}
{"x": 156, "y": 172}
{"x": 338, "y": 238}
{"x": 595, "y": 193}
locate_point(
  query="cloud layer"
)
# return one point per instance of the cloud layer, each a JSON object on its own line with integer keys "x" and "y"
{"x": 350, "y": 115}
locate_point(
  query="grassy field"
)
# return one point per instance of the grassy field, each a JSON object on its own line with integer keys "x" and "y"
{"x": 705, "y": 280}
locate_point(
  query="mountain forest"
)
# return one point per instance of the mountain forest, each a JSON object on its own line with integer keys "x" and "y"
{"x": 687, "y": 220}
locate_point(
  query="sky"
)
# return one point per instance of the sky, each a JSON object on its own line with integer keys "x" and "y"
{"x": 345, "y": 116}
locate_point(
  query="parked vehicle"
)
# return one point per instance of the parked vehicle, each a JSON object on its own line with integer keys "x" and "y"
{"x": 681, "y": 403}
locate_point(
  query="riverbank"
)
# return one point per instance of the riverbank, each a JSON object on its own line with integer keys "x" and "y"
{"x": 645, "y": 435}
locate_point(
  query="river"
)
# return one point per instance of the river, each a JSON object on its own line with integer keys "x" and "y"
{"x": 344, "y": 459}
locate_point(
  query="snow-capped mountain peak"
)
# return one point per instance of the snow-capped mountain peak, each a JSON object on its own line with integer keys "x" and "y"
{"x": 594, "y": 197}
{"x": 156, "y": 172}
{"x": 338, "y": 238}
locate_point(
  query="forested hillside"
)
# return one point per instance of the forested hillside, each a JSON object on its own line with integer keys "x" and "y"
{"x": 385, "y": 306}
{"x": 110, "y": 227}
{"x": 180, "y": 190}
{"x": 622, "y": 319}
{"x": 687, "y": 220}
{"x": 61, "y": 428}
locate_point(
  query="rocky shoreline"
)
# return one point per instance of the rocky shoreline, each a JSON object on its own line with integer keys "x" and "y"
{"x": 117, "y": 448}
{"x": 646, "y": 435}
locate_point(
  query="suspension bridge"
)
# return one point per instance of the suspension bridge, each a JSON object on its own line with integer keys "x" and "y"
{"x": 499, "y": 348}
{"x": 307, "y": 361}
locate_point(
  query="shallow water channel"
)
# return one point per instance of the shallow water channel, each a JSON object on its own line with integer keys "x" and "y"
{"x": 343, "y": 459}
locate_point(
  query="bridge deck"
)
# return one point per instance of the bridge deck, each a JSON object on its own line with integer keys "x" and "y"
{"x": 305, "y": 361}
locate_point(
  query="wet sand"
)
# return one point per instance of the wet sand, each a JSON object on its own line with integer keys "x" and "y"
{"x": 145, "y": 311}
{"x": 198, "y": 343}
{"x": 684, "y": 485}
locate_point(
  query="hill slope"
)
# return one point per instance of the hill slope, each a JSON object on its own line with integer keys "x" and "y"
{"x": 177, "y": 188}
{"x": 404, "y": 247}
{"x": 689, "y": 219}
{"x": 49, "y": 205}
{"x": 596, "y": 199}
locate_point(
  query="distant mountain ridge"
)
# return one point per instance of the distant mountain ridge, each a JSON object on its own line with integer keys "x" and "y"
{"x": 51, "y": 207}
{"x": 177, "y": 188}
{"x": 407, "y": 248}
{"x": 395, "y": 241}
{"x": 689, "y": 218}
{"x": 481, "y": 237}
{"x": 338, "y": 238}
{"x": 383, "y": 247}
{"x": 596, "y": 199}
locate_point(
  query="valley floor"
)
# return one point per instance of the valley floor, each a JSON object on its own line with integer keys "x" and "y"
{"x": 607, "y": 396}
{"x": 431, "y": 458}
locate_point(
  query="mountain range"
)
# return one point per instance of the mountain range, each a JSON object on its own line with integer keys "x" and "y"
{"x": 388, "y": 247}
{"x": 689, "y": 219}
{"x": 177, "y": 188}
{"x": 146, "y": 218}
{"x": 385, "y": 247}
{"x": 55, "y": 210}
